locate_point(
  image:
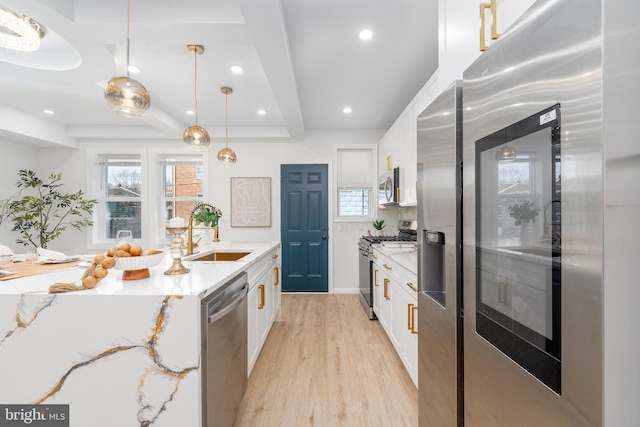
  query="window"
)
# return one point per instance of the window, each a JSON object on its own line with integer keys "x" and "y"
{"x": 355, "y": 182}
{"x": 182, "y": 185}
{"x": 120, "y": 198}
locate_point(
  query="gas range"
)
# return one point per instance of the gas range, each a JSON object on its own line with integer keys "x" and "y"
{"x": 406, "y": 234}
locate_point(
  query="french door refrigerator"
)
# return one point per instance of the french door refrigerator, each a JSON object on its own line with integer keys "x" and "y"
{"x": 533, "y": 222}
{"x": 439, "y": 156}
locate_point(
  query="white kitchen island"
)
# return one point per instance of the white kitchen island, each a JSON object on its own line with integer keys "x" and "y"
{"x": 126, "y": 353}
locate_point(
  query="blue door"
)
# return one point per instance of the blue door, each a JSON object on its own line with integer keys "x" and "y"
{"x": 304, "y": 210}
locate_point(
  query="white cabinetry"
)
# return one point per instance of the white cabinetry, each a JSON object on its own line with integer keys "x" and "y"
{"x": 398, "y": 148}
{"x": 263, "y": 302}
{"x": 395, "y": 304}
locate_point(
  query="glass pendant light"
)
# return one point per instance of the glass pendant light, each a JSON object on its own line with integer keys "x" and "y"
{"x": 227, "y": 156}
{"x": 124, "y": 94}
{"x": 506, "y": 154}
{"x": 196, "y": 136}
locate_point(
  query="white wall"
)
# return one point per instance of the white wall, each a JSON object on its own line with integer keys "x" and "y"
{"x": 255, "y": 159}
{"x": 14, "y": 157}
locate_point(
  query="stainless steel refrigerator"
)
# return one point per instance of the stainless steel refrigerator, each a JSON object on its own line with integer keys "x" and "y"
{"x": 440, "y": 344}
{"x": 511, "y": 226}
{"x": 533, "y": 222}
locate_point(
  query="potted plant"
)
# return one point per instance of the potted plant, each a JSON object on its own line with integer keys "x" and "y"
{"x": 378, "y": 224}
{"x": 46, "y": 212}
{"x": 524, "y": 214}
{"x": 208, "y": 216}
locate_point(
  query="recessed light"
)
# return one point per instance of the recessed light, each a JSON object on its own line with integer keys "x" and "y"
{"x": 347, "y": 110}
{"x": 190, "y": 112}
{"x": 262, "y": 112}
{"x": 48, "y": 111}
{"x": 365, "y": 34}
{"x": 236, "y": 69}
{"x": 134, "y": 69}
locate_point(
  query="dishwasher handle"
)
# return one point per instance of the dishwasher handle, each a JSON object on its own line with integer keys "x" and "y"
{"x": 229, "y": 305}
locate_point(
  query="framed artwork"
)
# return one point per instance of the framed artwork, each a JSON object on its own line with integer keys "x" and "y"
{"x": 251, "y": 202}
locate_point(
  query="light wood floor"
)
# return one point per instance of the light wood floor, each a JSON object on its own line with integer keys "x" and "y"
{"x": 326, "y": 364}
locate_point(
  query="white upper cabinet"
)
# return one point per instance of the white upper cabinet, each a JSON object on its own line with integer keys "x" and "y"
{"x": 397, "y": 148}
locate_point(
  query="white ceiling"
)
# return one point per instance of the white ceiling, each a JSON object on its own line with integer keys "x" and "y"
{"x": 302, "y": 60}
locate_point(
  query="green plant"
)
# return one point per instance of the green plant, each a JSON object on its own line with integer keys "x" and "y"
{"x": 523, "y": 212}
{"x": 206, "y": 215}
{"x": 378, "y": 224}
{"x": 43, "y": 215}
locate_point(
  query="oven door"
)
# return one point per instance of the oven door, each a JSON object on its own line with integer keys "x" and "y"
{"x": 365, "y": 283}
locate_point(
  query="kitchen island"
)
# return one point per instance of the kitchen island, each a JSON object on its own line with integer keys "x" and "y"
{"x": 126, "y": 353}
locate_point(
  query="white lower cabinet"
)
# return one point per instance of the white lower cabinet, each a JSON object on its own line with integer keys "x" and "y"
{"x": 396, "y": 306}
{"x": 405, "y": 327}
{"x": 263, "y": 303}
{"x": 382, "y": 296}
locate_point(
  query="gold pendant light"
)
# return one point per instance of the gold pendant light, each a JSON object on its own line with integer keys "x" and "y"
{"x": 506, "y": 154}
{"x": 196, "y": 136}
{"x": 227, "y": 156}
{"x": 124, "y": 94}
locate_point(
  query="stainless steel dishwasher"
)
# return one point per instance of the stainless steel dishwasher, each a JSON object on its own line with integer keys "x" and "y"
{"x": 224, "y": 358}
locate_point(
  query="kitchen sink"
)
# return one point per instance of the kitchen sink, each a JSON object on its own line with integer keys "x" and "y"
{"x": 218, "y": 256}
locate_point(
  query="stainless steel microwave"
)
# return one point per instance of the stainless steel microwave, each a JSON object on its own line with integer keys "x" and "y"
{"x": 389, "y": 188}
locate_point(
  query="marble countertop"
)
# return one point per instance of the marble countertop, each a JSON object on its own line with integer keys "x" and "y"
{"x": 203, "y": 278}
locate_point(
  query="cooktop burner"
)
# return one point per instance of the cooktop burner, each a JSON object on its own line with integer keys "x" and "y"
{"x": 380, "y": 239}
{"x": 406, "y": 233}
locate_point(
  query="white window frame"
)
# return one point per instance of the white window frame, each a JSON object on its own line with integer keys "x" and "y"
{"x": 97, "y": 180}
{"x": 373, "y": 198}
{"x": 153, "y": 224}
{"x": 161, "y": 163}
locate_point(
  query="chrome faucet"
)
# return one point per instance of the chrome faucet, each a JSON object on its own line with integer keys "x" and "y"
{"x": 190, "y": 226}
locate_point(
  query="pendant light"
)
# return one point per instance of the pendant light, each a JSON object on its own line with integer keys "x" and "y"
{"x": 196, "y": 136}
{"x": 506, "y": 154}
{"x": 124, "y": 94}
{"x": 227, "y": 156}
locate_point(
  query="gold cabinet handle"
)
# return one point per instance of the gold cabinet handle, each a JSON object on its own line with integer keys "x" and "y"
{"x": 375, "y": 257}
{"x": 387, "y": 267}
{"x": 261, "y": 305}
{"x": 277, "y": 271}
{"x": 413, "y": 309}
{"x": 375, "y": 277}
{"x": 409, "y": 319}
{"x": 494, "y": 20}
{"x": 386, "y": 289}
{"x": 398, "y": 195}
{"x": 412, "y": 286}
{"x": 274, "y": 256}
{"x": 483, "y": 8}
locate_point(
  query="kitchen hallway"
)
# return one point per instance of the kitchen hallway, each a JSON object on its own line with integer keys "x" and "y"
{"x": 326, "y": 364}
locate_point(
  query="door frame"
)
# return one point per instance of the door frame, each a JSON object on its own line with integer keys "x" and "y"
{"x": 330, "y": 215}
